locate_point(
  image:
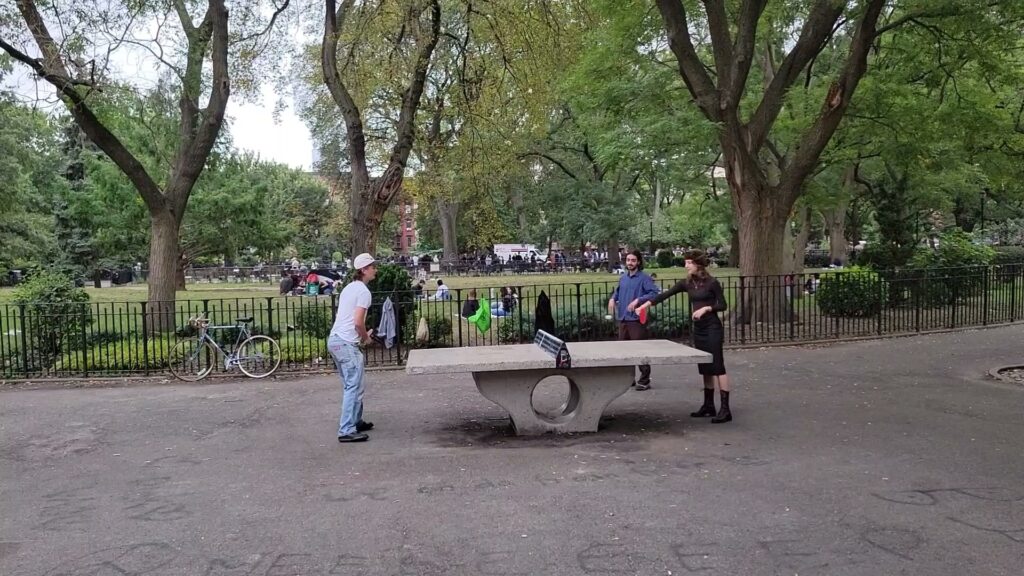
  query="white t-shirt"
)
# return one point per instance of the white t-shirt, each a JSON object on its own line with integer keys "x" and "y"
{"x": 356, "y": 294}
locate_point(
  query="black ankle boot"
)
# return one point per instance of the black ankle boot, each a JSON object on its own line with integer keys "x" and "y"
{"x": 708, "y": 409}
{"x": 724, "y": 415}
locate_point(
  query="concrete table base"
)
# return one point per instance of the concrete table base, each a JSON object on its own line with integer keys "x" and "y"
{"x": 591, "y": 390}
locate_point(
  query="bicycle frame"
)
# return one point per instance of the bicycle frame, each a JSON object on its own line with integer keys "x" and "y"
{"x": 229, "y": 358}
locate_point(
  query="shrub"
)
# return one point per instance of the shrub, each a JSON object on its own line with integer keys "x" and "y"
{"x": 440, "y": 328}
{"x": 56, "y": 313}
{"x": 119, "y": 356}
{"x": 884, "y": 256}
{"x": 665, "y": 258}
{"x": 816, "y": 260}
{"x": 670, "y": 324}
{"x": 956, "y": 249}
{"x": 678, "y": 261}
{"x": 951, "y": 271}
{"x": 315, "y": 321}
{"x": 1009, "y": 262}
{"x": 854, "y": 293}
{"x": 515, "y": 330}
{"x": 301, "y": 350}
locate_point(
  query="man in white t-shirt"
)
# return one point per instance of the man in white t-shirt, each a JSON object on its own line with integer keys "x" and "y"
{"x": 348, "y": 333}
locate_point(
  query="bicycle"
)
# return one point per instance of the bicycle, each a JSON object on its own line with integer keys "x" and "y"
{"x": 193, "y": 359}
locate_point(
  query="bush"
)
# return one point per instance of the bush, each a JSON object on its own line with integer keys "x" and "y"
{"x": 817, "y": 260}
{"x": 665, "y": 258}
{"x": 883, "y": 256}
{"x": 301, "y": 350}
{"x": 956, "y": 249}
{"x": 854, "y": 293}
{"x": 1009, "y": 262}
{"x": 119, "y": 356}
{"x": 56, "y": 313}
{"x": 440, "y": 328}
{"x": 679, "y": 261}
{"x": 952, "y": 271}
{"x": 315, "y": 321}
{"x": 671, "y": 324}
{"x": 515, "y": 330}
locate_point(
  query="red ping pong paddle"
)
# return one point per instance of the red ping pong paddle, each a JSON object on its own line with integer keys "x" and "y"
{"x": 643, "y": 315}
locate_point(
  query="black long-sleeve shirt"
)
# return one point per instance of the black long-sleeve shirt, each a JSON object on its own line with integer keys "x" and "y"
{"x": 707, "y": 292}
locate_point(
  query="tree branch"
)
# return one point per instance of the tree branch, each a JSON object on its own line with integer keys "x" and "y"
{"x": 691, "y": 68}
{"x": 817, "y": 136}
{"x": 52, "y": 69}
{"x": 816, "y": 30}
{"x": 552, "y": 160}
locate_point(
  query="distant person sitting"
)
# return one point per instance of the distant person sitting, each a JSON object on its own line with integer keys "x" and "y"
{"x": 442, "y": 291}
{"x": 287, "y": 284}
{"x": 417, "y": 290}
{"x": 470, "y": 306}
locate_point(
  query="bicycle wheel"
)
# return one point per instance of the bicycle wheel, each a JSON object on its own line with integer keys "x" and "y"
{"x": 258, "y": 356}
{"x": 191, "y": 360}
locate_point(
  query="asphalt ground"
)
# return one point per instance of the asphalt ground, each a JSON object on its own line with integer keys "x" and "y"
{"x": 884, "y": 457}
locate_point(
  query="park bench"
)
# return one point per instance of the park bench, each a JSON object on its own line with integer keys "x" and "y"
{"x": 598, "y": 372}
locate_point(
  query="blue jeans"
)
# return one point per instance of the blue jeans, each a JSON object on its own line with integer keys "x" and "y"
{"x": 349, "y": 360}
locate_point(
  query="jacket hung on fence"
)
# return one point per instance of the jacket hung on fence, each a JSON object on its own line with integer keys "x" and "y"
{"x": 386, "y": 328}
{"x": 542, "y": 314}
{"x": 640, "y": 287}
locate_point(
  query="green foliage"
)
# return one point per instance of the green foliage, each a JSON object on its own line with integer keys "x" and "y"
{"x": 515, "y": 329}
{"x": 392, "y": 281}
{"x": 301, "y": 350}
{"x": 671, "y": 324}
{"x": 665, "y": 258}
{"x": 440, "y": 328}
{"x": 315, "y": 320}
{"x": 56, "y": 312}
{"x": 853, "y": 293}
{"x": 955, "y": 249}
{"x": 1009, "y": 262}
{"x": 127, "y": 355}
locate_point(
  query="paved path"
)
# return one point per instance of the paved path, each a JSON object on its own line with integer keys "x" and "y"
{"x": 886, "y": 457}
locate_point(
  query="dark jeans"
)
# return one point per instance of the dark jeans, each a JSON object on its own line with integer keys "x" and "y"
{"x": 636, "y": 331}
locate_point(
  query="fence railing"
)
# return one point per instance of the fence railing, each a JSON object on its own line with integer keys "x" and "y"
{"x": 116, "y": 338}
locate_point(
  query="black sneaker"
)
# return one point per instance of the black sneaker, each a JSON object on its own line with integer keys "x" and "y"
{"x": 363, "y": 426}
{"x": 357, "y": 437}
{"x": 642, "y": 387}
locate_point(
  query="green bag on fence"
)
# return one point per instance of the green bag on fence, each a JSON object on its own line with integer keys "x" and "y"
{"x": 482, "y": 318}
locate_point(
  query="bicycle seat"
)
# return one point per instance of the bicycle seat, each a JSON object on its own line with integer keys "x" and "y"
{"x": 245, "y": 320}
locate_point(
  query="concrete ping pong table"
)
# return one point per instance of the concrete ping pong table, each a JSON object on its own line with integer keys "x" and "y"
{"x": 507, "y": 376}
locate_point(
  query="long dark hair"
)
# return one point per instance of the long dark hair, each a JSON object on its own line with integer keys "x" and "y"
{"x": 702, "y": 261}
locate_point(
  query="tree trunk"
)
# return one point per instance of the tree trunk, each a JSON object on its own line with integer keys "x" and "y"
{"x": 734, "y": 248}
{"x": 798, "y": 246}
{"x": 835, "y": 220}
{"x": 762, "y": 230}
{"x": 164, "y": 258}
{"x": 448, "y": 212}
{"x": 369, "y": 204}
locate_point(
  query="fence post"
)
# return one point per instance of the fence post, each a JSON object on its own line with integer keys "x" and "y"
{"x": 881, "y": 304}
{"x": 145, "y": 336}
{"x": 85, "y": 347}
{"x": 399, "y": 320}
{"x": 270, "y": 317}
{"x": 458, "y": 311}
{"x": 917, "y": 304}
{"x": 792, "y": 307}
{"x": 24, "y": 339}
{"x": 984, "y": 297}
{"x": 579, "y": 326}
{"x": 1013, "y": 293}
{"x": 956, "y": 297}
{"x": 743, "y": 319}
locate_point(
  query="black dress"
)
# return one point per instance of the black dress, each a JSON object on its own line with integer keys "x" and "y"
{"x": 708, "y": 333}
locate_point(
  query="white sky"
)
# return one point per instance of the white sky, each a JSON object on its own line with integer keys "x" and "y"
{"x": 254, "y": 128}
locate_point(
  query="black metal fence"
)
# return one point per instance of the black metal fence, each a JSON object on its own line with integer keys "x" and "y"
{"x": 116, "y": 338}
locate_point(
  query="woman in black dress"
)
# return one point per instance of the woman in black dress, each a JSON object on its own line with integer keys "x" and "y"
{"x": 706, "y": 301}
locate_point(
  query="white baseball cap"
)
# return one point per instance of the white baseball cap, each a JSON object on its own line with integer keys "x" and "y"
{"x": 362, "y": 261}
